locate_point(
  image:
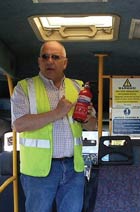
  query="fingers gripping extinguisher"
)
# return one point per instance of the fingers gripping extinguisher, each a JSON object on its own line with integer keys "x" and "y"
{"x": 81, "y": 107}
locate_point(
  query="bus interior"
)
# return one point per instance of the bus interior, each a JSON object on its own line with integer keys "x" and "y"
{"x": 102, "y": 41}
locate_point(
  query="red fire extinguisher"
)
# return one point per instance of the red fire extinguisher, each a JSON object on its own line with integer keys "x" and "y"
{"x": 81, "y": 107}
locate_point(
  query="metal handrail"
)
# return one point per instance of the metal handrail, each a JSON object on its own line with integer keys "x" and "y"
{"x": 14, "y": 178}
{"x": 6, "y": 183}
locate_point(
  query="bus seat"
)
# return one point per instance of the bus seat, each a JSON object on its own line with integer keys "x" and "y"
{"x": 118, "y": 181}
{"x": 115, "y": 150}
{"x": 118, "y": 189}
{"x": 6, "y": 197}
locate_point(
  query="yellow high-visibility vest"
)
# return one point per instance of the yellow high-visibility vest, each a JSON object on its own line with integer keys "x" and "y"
{"x": 36, "y": 146}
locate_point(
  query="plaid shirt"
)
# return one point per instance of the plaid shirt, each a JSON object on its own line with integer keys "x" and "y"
{"x": 62, "y": 134}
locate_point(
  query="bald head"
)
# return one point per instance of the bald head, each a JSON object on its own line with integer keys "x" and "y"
{"x": 55, "y": 62}
{"x": 55, "y": 44}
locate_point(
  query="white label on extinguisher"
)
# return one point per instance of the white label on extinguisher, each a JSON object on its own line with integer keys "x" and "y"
{"x": 83, "y": 98}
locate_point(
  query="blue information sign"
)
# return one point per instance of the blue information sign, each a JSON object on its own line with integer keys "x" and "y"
{"x": 126, "y": 126}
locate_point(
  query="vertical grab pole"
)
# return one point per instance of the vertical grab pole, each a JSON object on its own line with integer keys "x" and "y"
{"x": 10, "y": 84}
{"x": 15, "y": 182}
{"x": 100, "y": 93}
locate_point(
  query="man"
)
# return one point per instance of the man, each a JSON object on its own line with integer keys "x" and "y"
{"x": 50, "y": 140}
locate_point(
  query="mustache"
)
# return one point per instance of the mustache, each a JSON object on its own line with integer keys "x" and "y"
{"x": 50, "y": 67}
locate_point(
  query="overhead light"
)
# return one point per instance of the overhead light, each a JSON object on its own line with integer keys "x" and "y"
{"x": 91, "y": 27}
{"x": 57, "y": 22}
{"x": 134, "y": 32}
{"x": 66, "y": 1}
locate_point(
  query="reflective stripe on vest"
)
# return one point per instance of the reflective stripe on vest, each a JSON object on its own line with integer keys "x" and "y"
{"x": 43, "y": 143}
{"x": 38, "y": 143}
{"x": 77, "y": 141}
{"x": 71, "y": 120}
{"x": 32, "y": 96}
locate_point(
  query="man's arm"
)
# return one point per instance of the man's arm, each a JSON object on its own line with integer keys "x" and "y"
{"x": 30, "y": 122}
{"x": 91, "y": 121}
{"x": 91, "y": 124}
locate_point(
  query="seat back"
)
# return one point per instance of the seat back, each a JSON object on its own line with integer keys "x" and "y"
{"x": 118, "y": 150}
{"x": 6, "y": 197}
{"x": 119, "y": 179}
{"x": 118, "y": 189}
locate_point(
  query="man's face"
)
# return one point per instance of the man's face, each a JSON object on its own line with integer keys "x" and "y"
{"x": 52, "y": 61}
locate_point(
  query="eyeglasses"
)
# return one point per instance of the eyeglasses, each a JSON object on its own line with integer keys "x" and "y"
{"x": 52, "y": 56}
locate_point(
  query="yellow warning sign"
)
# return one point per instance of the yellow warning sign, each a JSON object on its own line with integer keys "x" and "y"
{"x": 127, "y": 96}
{"x": 126, "y": 91}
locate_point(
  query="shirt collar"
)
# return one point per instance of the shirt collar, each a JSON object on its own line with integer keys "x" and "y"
{"x": 50, "y": 82}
